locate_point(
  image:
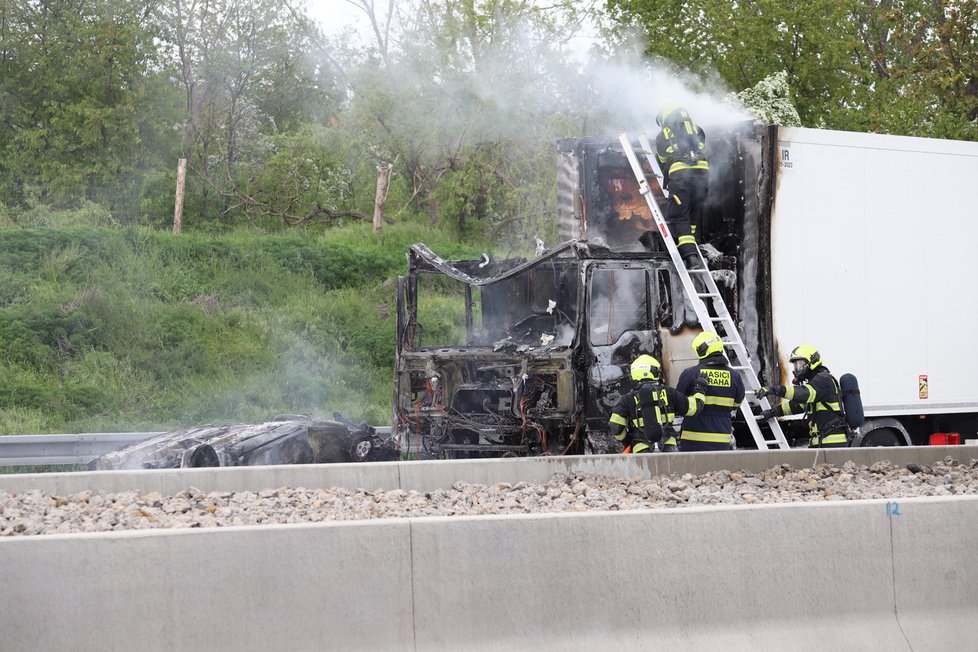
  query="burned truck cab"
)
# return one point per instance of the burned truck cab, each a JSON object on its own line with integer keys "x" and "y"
{"x": 485, "y": 355}
{"x": 529, "y": 357}
{"x": 539, "y": 353}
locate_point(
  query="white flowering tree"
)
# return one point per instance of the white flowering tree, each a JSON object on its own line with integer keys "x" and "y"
{"x": 770, "y": 100}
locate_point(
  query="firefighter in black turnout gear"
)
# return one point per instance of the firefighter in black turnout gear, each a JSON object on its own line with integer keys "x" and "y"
{"x": 644, "y": 416}
{"x": 816, "y": 393}
{"x": 711, "y": 428}
{"x": 681, "y": 150}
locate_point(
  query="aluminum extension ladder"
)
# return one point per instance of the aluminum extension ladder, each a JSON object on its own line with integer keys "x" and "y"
{"x": 723, "y": 323}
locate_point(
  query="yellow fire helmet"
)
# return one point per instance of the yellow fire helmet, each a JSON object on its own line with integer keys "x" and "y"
{"x": 665, "y": 111}
{"x": 807, "y": 353}
{"x": 804, "y": 360}
{"x": 707, "y": 343}
{"x": 645, "y": 367}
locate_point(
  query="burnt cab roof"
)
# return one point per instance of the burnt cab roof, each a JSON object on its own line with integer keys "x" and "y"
{"x": 484, "y": 271}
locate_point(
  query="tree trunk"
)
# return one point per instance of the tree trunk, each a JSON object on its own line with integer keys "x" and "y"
{"x": 178, "y": 204}
{"x": 383, "y": 179}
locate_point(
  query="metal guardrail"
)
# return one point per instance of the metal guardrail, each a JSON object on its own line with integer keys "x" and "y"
{"x": 43, "y": 450}
{"x": 31, "y": 450}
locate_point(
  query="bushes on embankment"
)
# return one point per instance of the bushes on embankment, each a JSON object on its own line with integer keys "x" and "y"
{"x": 111, "y": 329}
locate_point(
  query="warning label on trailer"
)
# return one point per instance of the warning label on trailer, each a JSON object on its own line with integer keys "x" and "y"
{"x": 922, "y": 385}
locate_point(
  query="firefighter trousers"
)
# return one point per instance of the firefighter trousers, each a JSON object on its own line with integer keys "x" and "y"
{"x": 688, "y": 190}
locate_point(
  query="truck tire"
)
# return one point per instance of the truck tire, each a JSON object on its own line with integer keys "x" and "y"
{"x": 881, "y": 437}
{"x": 881, "y": 432}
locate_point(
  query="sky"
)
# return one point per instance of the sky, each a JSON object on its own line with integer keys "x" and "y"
{"x": 336, "y": 15}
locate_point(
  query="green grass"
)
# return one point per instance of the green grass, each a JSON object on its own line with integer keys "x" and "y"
{"x": 106, "y": 328}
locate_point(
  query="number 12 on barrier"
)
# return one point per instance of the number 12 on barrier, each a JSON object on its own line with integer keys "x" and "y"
{"x": 892, "y": 508}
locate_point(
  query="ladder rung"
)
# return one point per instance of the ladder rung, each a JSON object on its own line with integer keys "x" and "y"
{"x": 708, "y": 294}
{"x": 697, "y": 270}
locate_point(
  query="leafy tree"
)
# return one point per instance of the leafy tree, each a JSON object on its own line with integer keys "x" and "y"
{"x": 465, "y": 98}
{"x": 76, "y": 96}
{"x": 245, "y": 77}
{"x": 905, "y": 66}
{"x": 303, "y": 178}
{"x": 938, "y": 72}
{"x": 745, "y": 42}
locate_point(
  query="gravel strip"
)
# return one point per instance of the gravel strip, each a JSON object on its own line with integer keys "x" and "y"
{"x": 34, "y": 512}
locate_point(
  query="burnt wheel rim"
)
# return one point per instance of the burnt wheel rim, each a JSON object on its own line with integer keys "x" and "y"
{"x": 362, "y": 449}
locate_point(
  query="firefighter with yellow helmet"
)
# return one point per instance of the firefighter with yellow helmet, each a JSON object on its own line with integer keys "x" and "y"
{"x": 681, "y": 150}
{"x": 815, "y": 392}
{"x": 643, "y": 417}
{"x": 711, "y": 429}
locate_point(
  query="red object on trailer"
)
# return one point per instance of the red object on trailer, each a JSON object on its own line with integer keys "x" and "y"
{"x": 945, "y": 439}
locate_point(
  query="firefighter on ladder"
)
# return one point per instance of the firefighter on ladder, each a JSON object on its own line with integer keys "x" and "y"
{"x": 681, "y": 150}
{"x": 816, "y": 393}
{"x": 711, "y": 428}
{"x": 644, "y": 416}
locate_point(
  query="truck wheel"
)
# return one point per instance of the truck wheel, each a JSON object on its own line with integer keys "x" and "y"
{"x": 881, "y": 437}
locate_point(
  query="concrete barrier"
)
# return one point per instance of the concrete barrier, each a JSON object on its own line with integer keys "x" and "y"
{"x": 344, "y": 586}
{"x": 426, "y": 476}
{"x": 935, "y": 577}
{"x": 857, "y": 575}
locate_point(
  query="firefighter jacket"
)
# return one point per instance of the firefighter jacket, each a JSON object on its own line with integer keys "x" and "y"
{"x": 646, "y": 413}
{"x": 724, "y": 394}
{"x": 818, "y": 398}
{"x": 680, "y": 146}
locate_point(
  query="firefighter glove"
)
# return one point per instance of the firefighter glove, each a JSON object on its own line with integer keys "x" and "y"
{"x": 767, "y": 414}
{"x": 700, "y": 385}
{"x": 668, "y": 437}
{"x": 775, "y": 390}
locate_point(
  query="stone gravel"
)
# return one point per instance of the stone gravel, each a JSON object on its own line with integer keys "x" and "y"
{"x": 34, "y": 512}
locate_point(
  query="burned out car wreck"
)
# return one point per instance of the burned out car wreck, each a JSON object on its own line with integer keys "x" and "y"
{"x": 287, "y": 439}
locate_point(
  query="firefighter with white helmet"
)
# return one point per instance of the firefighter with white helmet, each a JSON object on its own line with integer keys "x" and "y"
{"x": 711, "y": 429}
{"x": 814, "y": 391}
{"x": 643, "y": 417}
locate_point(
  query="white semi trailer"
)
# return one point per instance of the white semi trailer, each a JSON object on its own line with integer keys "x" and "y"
{"x": 872, "y": 241}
